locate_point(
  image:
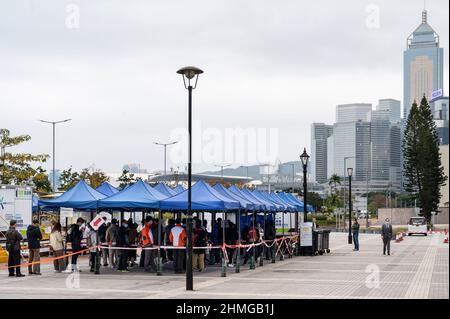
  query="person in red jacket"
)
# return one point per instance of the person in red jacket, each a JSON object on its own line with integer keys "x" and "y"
{"x": 178, "y": 238}
{"x": 147, "y": 242}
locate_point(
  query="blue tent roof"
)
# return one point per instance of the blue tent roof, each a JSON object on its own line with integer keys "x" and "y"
{"x": 309, "y": 207}
{"x": 179, "y": 189}
{"x": 80, "y": 196}
{"x": 165, "y": 190}
{"x": 263, "y": 196}
{"x": 289, "y": 207}
{"x": 107, "y": 189}
{"x": 244, "y": 203}
{"x": 267, "y": 206}
{"x": 289, "y": 200}
{"x": 138, "y": 195}
{"x": 293, "y": 206}
{"x": 257, "y": 205}
{"x": 204, "y": 198}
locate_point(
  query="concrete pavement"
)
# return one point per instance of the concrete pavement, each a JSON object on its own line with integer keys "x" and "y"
{"x": 417, "y": 268}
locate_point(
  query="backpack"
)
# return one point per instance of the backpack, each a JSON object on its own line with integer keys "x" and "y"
{"x": 253, "y": 235}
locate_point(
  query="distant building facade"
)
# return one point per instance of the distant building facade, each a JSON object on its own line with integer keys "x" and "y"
{"x": 439, "y": 108}
{"x": 320, "y": 133}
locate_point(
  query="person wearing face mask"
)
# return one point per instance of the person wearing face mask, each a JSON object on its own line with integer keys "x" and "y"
{"x": 123, "y": 241}
{"x": 75, "y": 236}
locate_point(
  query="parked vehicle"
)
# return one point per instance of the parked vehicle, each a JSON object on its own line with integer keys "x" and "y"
{"x": 417, "y": 225}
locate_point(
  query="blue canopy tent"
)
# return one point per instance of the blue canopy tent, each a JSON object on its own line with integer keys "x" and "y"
{"x": 81, "y": 196}
{"x": 257, "y": 205}
{"x": 137, "y": 196}
{"x": 269, "y": 207}
{"x": 204, "y": 198}
{"x": 289, "y": 200}
{"x": 179, "y": 189}
{"x": 107, "y": 189}
{"x": 225, "y": 192}
{"x": 309, "y": 208}
{"x": 276, "y": 199}
{"x": 263, "y": 196}
{"x": 165, "y": 190}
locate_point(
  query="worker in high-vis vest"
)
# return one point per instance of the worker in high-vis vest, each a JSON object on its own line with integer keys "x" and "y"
{"x": 147, "y": 242}
{"x": 178, "y": 238}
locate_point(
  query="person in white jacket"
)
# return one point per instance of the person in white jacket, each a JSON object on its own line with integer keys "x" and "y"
{"x": 92, "y": 244}
{"x": 57, "y": 247}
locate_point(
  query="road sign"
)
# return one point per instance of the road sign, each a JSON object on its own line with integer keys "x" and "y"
{"x": 97, "y": 222}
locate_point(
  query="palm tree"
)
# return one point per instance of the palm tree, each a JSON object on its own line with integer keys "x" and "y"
{"x": 334, "y": 180}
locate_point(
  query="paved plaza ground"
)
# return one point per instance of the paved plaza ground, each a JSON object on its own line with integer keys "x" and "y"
{"x": 417, "y": 268}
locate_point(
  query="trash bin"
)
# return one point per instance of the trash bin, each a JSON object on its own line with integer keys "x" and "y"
{"x": 326, "y": 240}
{"x": 317, "y": 242}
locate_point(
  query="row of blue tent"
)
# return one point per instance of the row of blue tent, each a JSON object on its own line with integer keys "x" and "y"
{"x": 141, "y": 196}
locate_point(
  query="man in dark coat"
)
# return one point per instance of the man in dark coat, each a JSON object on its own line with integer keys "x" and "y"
{"x": 386, "y": 235}
{"x": 123, "y": 241}
{"x": 34, "y": 237}
{"x": 13, "y": 239}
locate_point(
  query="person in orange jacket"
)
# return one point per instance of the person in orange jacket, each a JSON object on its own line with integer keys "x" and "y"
{"x": 147, "y": 242}
{"x": 178, "y": 238}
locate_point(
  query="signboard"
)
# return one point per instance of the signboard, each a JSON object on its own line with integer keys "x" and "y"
{"x": 306, "y": 230}
{"x": 97, "y": 222}
{"x": 108, "y": 216}
{"x": 437, "y": 94}
{"x": 15, "y": 203}
{"x": 64, "y": 213}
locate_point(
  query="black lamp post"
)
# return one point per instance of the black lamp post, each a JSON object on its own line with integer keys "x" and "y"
{"x": 165, "y": 156}
{"x": 305, "y": 159}
{"x": 350, "y": 173}
{"x": 189, "y": 73}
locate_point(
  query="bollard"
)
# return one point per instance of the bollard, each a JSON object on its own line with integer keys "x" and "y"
{"x": 159, "y": 271}
{"x": 252, "y": 263}
{"x": 238, "y": 261}
{"x": 223, "y": 272}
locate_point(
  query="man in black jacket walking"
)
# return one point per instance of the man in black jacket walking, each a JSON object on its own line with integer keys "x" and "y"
{"x": 75, "y": 237}
{"x": 13, "y": 239}
{"x": 34, "y": 237}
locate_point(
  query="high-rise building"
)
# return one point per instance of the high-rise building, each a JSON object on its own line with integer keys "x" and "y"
{"x": 353, "y": 112}
{"x": 439, "y": 108}
{"x": 393, "y": 107}
{"x": 319, "y": 135}
{"x": 423, "y": 65}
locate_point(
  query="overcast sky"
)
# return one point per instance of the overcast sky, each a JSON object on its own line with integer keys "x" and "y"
{"x": 268, "y": 64}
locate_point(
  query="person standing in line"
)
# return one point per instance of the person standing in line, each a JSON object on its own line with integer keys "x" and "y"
{"x": 13, "y": 239}
{"x": 75, "y": 236}
{"x": 200, "y": 240}
{"x": 111, "y": 238}
{"x": 231, "y": 238}
{"x": 102, "y": 238}
{"x": 355, "y": 232}
{"x": 34, "y": 237}
{"x": 147, "y": 242}
{"x": 133, "y": 236}
{"x": 178, "y": 238}
{"x": 123, "y": 241}
{"x": 170, "y": 225}
{"x": 57, "y": 247}
{"x": 386, "y": 235}
{"x": 269, "y": 236}
{"x": 92, "y": 242}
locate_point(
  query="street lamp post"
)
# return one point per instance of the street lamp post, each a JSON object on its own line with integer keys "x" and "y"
{"x": 350, "y": 174}
{"x": 305, "y": 159}
{"x": 54, "y": 126}
{"x": 345, "y": 170}
{"x": 189, "y": 73}
{"x": 165, "y": 155}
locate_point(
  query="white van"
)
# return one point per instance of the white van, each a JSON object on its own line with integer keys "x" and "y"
{"x": 417, "y": 225}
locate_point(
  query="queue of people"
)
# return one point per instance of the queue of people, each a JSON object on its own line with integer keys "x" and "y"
{"x": 122, "y": 245}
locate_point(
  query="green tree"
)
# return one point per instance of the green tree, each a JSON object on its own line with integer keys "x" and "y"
{"x": 16, "y": 167}
{"x": 68, "y": 178}
{"x": 41, "y": 182}
{"x": 95, "y": 177}
{"x": 334, "y": 180}
{"x": 332, "y": 202}
{"x": 126, "y": 179}
{"x": 424, "y": 174}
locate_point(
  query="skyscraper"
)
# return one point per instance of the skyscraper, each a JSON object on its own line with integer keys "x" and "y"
{"x": 319, "y": 136}
{"x": 423, "y": 65}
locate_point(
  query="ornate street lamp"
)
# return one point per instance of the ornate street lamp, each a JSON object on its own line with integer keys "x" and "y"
{"x": 189, "y": 73}
{"x": 305, "y": 159}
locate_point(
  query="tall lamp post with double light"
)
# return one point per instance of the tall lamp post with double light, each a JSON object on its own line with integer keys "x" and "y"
{"x": 350, "y": 208}
{"x": 165, "y": 155}
{"x": 53, "y": 159}
{"x": 305, "y": 159}
{"x": 189, "y": 73}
